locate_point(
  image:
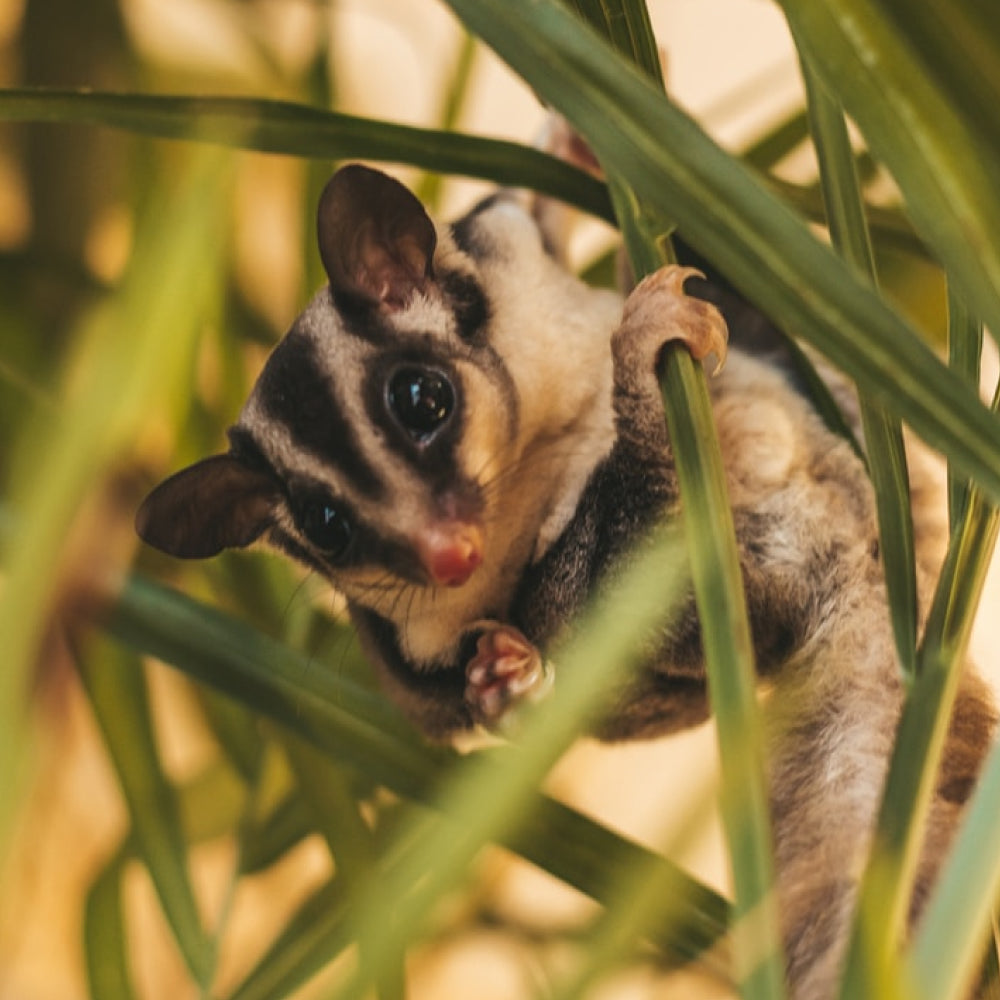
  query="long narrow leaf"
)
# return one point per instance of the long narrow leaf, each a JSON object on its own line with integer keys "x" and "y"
{"x": 729, "y": 661}
{"x": 920, "y": 740}
{"x": 363, "y": 729}
{"x": 883, "y": 432}
{"x": 299, "y": 130}
{"x": 950, "y": 187}
{"x": 105, "y": 943}
{"x": 959, "y": 45}
{"x": 116, "y": 686}
{"x": 965, "y": 349}
{"x": 127, "y": 355}
{"x": 718, "y": 582}
{"x": 949, "y": 940}
{"x": 486, "y": 798}
{"x": 725, "y": 212}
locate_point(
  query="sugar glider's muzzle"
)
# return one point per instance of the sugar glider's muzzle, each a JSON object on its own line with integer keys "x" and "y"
{"x": 450, "y": 551}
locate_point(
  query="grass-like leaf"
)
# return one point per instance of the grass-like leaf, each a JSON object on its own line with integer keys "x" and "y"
{"x": 883, "y": 431}
{"x": 766, "y": 250}
{"x": 959, "y": 44}
{"x": 126, "y": 355}
{"x": 116, "y": 686}
{"x": 299, "y": 130}
{"x": 965, "y": 350}
{"x": 952, "y": 932}
{"x": 887, "y": 885}
{"x": 950, "y": 187}
{"x": 105, "y": 942}
{"x": 363, "y": 730}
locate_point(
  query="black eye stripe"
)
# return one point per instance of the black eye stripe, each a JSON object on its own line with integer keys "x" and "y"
{"x": 296, "y": 391}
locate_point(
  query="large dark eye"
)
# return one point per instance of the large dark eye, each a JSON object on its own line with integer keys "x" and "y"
{"x": 326, "y": 527}
{"x": 421, "y": 399}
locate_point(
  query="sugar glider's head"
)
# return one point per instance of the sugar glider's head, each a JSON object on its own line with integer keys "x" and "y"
{"x": 373, "y": 443}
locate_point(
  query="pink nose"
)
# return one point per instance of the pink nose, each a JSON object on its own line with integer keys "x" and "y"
{"x": 450, "y": 552}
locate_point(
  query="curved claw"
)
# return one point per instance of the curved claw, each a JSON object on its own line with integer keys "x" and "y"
{"x": 659, "y": 302}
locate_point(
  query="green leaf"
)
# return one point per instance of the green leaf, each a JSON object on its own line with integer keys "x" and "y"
{"x": 300, "y": 130}
{"x": 127, "y": 354}
{"x": 315, "y": 935}
{"x": 950, "y": 186}
{"x": 116, "y": 686}
{"x": 729, "y": 662}
{"x": 959, "y": 46}
{"x": 362, "y": 729}
{"x": 949, "y": 940}
{"x": 886, "y": 888}
{"x": 965, "y": 349}
{"x": 105, "y": 943}
{"x": 626, "y": 26}
{"x": 729, "y": 216}
{"x": 883, "y": 432}
{"x": 287, "y": 825}
{"x": 718, "y": 581}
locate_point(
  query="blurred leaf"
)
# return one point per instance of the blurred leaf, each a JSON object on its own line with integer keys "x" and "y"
{"x": 105, "y": 943}
{"x": 313, "y": 937}
{"x": 362, "y": 729}
{"x": 952, "y": 190}
{"x": 771, "y": 147}
{"x": 453, "y": 102}
{"x": 488, "y": 797}
{"x": 949, "y": 939}
{"x": 128, "y": 355}
{"x": 289, "y": 823}
{"x": 763, "y": 248}
{"x": 889, "y": 226}
{"x": 959, "y": 45}
{"x": 212, "y": 802}
{"x": 116, "y": 686}
{"x": 965, "y": 349}
{"x": 299, "y": 130}
{"x": 883, "y": 432}
{"x": 886, "y": 888}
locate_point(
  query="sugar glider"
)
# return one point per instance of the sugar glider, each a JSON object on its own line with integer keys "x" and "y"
{"x": 465, "y": 439}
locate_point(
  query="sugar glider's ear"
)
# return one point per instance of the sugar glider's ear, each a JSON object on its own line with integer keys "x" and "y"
{"x": 215, "y": 504}
{"x": 375, "y": 239}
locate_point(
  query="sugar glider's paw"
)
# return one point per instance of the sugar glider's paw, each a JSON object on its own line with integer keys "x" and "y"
{"x": 658, "y": 311}
{"x": 505, "y": 671}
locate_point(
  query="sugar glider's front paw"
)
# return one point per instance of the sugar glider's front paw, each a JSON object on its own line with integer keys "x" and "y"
{"x": 658, "y": 311}
{"x": 505, "y": 671}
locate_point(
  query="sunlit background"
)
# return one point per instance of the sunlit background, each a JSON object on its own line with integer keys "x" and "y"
{"x": 71, "y": 199}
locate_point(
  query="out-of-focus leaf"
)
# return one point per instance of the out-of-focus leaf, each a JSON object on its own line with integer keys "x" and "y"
{"x": 128, "y": 355}
{"x": 729, "y": 216}
{"x": 116, "y": 686}
{"x": 959, "y": 45}
{"x": 952, "y": 190}
{"x": 105, "y": 943}
{"x": 883, "y": 432}
{"x": 965, "y": 350}
{"x": 299, "y": 130}
{"x": 948, "y": 943}
{"x": 364, "y": 730}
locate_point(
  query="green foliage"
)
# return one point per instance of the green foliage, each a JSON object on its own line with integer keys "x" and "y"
{"x": 303, "y": 745}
